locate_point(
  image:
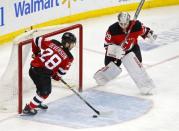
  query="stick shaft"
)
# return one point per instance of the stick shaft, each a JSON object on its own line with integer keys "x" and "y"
{"x": 139, "y": 9}
{"x": 135, "y": 18}
{"x": 87, "y": 103}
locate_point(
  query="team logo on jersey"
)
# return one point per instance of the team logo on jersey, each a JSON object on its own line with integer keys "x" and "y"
{"x": 129, "y": 44}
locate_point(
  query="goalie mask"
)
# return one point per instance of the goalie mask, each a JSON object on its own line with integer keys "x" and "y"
{"x": 68, "y": 40}
{"x": 123, "y": 19}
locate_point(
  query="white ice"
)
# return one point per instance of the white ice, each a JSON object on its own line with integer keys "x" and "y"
{"x": 161, "y": 64}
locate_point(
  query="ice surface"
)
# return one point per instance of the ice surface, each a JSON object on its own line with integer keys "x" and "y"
{"x": 73, "y": 112}
{"x": 162, "y": 64}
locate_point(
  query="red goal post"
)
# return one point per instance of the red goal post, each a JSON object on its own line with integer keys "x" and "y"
{"x": 20, "y": 62}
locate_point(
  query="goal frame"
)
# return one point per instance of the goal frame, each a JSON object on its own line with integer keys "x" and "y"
{"x": 20, "y": 62}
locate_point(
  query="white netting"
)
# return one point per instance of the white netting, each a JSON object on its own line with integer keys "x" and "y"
{"x": 9, "y": 79}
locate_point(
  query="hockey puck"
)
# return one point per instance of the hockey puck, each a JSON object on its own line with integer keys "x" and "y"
{"x": 95, "y": 116}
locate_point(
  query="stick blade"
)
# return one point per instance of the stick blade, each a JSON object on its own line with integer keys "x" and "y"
{"x": 105, "y": 113}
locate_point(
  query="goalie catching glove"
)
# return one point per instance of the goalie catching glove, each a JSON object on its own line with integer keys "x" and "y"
{"x": 151, "y": 35}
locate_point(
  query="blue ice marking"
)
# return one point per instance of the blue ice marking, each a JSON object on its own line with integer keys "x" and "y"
{"x": 72, "y": 112}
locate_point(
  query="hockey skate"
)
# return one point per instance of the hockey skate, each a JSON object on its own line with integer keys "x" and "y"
{"x": 42, "y": 106}
{"x": 29, "y": 111}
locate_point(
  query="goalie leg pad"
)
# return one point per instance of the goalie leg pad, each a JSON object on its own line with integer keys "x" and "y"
{"x": 107, "y": 73}
{"x": 138, "y": 73}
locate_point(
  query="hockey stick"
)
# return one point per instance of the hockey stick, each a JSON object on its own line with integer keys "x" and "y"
{"x": 88, "y": 104}
{"x": 132, "y": 24}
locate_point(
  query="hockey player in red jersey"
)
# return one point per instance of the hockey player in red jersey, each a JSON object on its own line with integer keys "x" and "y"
{"x": 121, "y": 45}
{"x": 52, "y": 59}
{"x": 116, "y": 34}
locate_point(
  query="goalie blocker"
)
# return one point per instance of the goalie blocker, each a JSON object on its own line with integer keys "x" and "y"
{"x": 138, "y": 73}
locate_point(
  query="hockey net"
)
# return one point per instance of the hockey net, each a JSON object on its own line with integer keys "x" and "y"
{"x": 15, "y": 81}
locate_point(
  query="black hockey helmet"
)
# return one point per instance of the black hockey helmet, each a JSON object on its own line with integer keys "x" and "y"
{"x": 68, "y": 37}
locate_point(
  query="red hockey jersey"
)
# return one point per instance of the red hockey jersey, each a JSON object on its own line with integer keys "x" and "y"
{"x": 53, "y": 55}
{"x": 116, "y": 35}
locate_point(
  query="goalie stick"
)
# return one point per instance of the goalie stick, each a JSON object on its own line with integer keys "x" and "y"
{"x": 132, "y": 24}
{"x": 99, "y": 113}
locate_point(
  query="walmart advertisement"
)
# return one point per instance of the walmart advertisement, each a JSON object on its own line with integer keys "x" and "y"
{"x": 18, "y": 14}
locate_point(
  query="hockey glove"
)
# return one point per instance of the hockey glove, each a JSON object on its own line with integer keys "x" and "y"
{"x": 56, "y": 77}
{"x": 151, "y": 35}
